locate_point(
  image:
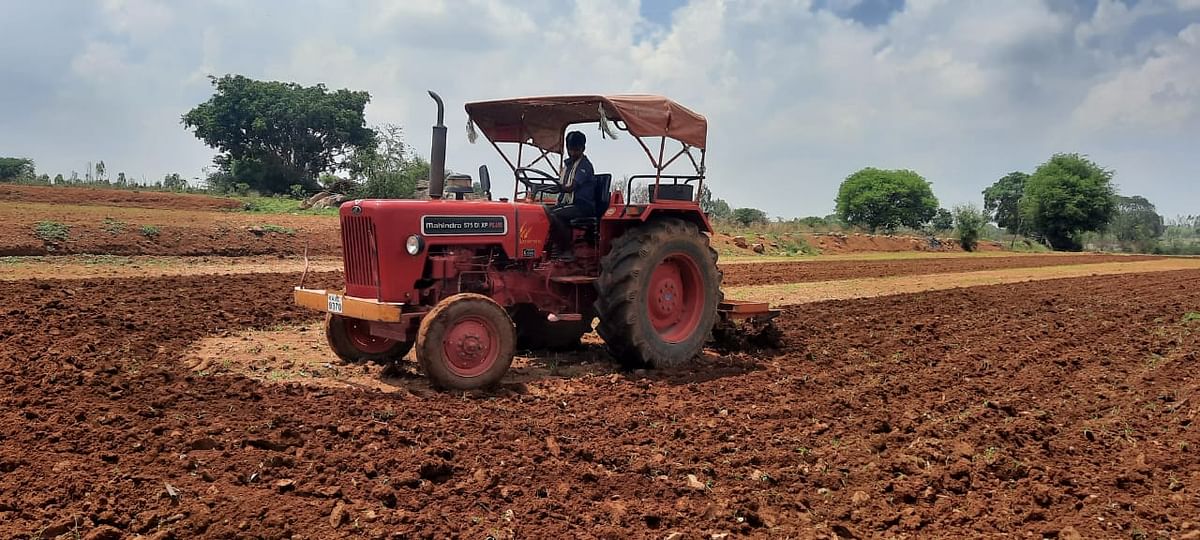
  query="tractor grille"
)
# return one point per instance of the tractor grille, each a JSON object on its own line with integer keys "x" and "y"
{"x": 358, "y": 250}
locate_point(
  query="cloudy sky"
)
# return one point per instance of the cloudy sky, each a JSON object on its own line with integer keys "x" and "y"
{"x": 798, "y": 93}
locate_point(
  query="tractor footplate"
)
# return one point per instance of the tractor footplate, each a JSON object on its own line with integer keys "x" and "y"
{"x": 746, "y": 327}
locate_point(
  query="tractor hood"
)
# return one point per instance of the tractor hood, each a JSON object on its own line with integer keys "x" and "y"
{"x": 375, "y": 233}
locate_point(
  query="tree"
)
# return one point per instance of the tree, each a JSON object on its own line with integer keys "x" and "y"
{"x": 274, "y": 134}
{"x": 749, "y": 216}
{"x": 389, "y": 170}
{"x": 1065, "y": 196}
{"x": 968, "y": 222}
{"x": 886, "y": 199}
{"x": 101, "y": 173}
{"x": 943, "y": 220}
{"x": 58, "y": 179}
{"x": 121, "y": 180}
{"x": 639, "y": 193}
{"x": 1137, "y": 223}
{"x": 1001, "y": 201}
{"x": 174, "y": 182}
{"x": 715, "y": 208}
{"x": 12, "y": 168}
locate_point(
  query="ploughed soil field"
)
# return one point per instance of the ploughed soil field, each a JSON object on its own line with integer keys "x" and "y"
{"x": 1061, "y": 408}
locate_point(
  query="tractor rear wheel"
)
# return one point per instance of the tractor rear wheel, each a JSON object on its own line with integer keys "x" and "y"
{"x": 466, "y": 342}
{"x": 353, "y": 343}
{"x": 659, "y": 288}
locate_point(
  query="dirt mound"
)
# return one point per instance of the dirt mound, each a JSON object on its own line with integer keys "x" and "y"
{"x": 141, "y": 231}
{"x": 825, "y": 270}
{"x": 836, "y": 243}
{"x": 114, "y": 197}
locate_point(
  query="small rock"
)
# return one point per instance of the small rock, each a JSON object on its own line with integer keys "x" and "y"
{"x": 859, "y": 497}
{"x": 206, "y": 443}
{"x": 339, "y": 515}
{"x": 695, "y": 483}
{"x": 759, "y": 248}
{"x": 964, "y": 449}
{"x": 1190, "y": 535}
{"x": 1069, "y": 533}
{"x": 552, "y": 446}
{"x": 285, "y": 484}
{"x": 103, "y": 532}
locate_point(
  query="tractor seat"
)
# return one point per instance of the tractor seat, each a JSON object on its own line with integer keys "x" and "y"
{"x": 603, "y": 193}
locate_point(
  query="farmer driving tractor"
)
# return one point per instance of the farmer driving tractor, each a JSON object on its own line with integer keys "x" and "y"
{"x": 577, "y": 198}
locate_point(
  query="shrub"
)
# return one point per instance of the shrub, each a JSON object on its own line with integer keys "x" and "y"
{"x": 149, "y": 231}
{"x": 51, "y": 231}
{"x": 969, "y": 221}
{"x": 113, "y": 226}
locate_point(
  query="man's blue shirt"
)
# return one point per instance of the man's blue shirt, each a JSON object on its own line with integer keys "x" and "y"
{"x": 585, "y": 185}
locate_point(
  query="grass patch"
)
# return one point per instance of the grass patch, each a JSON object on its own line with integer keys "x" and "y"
{"x": 280, "y": 205}
{"x": 272, "y": 228}
{"x": 1028, "y": 246}
{"x": 149, "y": 231}
{"x": 113, "y": 226}
{"x": 51, "y": 231}
{"x": 1191, "y": 316}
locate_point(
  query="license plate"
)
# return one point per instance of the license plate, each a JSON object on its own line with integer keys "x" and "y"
{"x": 335, "y": 303}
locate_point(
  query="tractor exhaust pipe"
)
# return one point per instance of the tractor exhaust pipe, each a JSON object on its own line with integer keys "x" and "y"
{"x": 437, "y": 157}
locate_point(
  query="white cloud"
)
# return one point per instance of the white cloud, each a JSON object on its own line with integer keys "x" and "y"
{"x": 1162, "y": 93}
{"x": 962, "y": 91}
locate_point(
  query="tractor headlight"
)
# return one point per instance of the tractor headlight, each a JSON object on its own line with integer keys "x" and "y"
{"x": 414, "y": 245}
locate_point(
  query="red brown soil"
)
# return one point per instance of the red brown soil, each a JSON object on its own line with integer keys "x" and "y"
{"x": 824, "y": 270}
{"x": 114, "y": 197}
{"x": 115, "y": 230}
{"x": 1023, "y": 408}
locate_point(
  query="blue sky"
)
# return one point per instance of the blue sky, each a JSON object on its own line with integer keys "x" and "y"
{"x": 798, "y": 93}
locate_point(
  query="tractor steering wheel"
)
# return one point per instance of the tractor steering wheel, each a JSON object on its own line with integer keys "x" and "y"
{"x": 543, "y": 183}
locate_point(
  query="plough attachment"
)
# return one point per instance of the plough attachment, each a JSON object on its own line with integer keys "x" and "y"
{"x": 746, "y": 326}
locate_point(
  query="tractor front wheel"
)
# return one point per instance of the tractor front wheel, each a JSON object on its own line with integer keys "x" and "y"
{"x": 352, "y": 342}
{"x": 466, "y": 342}
{"x": 658, "y": 291}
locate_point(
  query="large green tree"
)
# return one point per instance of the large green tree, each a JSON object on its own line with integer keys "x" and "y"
{"x": 886, "y": 199}
{"x": 749, "y": 216}
{"x": 943, "y": 220}
{"x": 1001, "y": 201}
{"x": 1068, "y": 195}
{"x": 12, "y": 168}
{"x": 274, "y": 134}
{"x": 1137, "y": 223}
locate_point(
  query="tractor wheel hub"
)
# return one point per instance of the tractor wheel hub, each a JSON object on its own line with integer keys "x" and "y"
{"x": 470, "y": 346}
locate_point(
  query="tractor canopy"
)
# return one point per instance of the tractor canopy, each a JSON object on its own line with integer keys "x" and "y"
{"x": 542, "y": 121}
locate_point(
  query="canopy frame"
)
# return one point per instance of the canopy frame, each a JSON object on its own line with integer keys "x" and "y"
{"x": 605, "y": 110}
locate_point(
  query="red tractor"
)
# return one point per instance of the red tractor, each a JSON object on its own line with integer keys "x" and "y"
{"x": 468, "y": 281}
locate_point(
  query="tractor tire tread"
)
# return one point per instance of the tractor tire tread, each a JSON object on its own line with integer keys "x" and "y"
{"x": 617, "y": 303}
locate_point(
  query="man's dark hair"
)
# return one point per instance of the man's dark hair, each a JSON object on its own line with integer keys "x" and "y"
{"x": 576, "y": 140}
